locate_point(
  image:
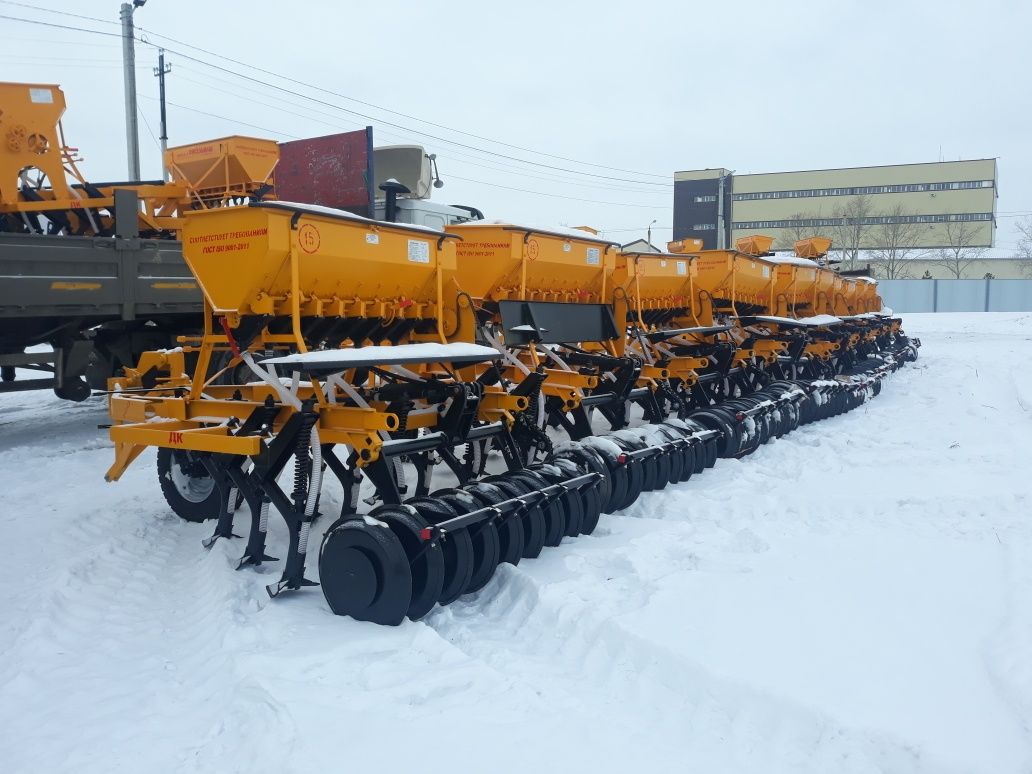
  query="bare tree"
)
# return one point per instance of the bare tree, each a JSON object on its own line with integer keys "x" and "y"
{"x": 897, "y": 240}
{"x": 851, "y": 232}
{"x": 958, "y": 254}
{"x": 791, "y": 234}
{"x": 1025, "y": 245}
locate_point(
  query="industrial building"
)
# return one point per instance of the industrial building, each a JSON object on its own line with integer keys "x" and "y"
{"x": 937, "y": 200}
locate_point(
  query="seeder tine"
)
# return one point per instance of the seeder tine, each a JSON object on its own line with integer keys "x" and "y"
{"x": 247, "y": 560}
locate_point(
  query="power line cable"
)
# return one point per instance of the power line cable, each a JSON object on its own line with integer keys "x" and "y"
{"x": 400, "y": 126}
{"x": 401, "y": 114}
{"x": 59, "y": 26}
{"x": 452, "y": 153}
{"x": 60, "y": 13}
{"x": 223, "y": 118}
{"x": 355, "y": 100}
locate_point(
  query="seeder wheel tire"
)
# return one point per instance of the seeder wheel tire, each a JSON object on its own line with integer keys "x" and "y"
{"x": 426, "y": 558}
{"x": 484, "y": 534}
{"x": 456, "y": 547}
{"x": 675, "y": 457}
{"x": 592, "y": 504}
{"x": 636, "y": 474}
{"x": 710, "y": 453}
{"x": 635, "y": 483}
{"x": 364, "y": 572}
{"x": 533, "y": 519}
{"x": 585, "y": 504}
{"x": 510, "y": 528}
{"x": 649, "y": 466}
{"x": 690, "y": 453}
{"x": 591, "y": 461}
{"x": 188, "y": 489}
{"x": 555, "y": 520}
{"x": 564, "y": 469}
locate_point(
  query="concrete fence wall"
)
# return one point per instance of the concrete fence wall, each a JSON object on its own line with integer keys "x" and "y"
{"x": 1008, "y": 295}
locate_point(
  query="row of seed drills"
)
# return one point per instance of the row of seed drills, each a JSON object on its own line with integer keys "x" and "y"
{"x": 492, "y": 389}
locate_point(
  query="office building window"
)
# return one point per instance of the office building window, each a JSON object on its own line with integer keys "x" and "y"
{"x": 877, "y": 220}
{"x": 704, "y": 227}
{"x": 703, "y": 199}
{"x": 961, "y": 185}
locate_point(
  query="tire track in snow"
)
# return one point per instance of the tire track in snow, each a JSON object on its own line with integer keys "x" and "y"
{"x": 565, "y": 642}
{"x": 563, "y": 633}
{"x": 135, "y": 626}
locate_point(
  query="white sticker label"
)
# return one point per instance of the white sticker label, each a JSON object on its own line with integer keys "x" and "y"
{"x": 372, "y": 239}
{"x": 766, "y": 271}
{"x": 567, "y": 247}
{"x": 42, "y": 96}
{"x": 662, "y": 264}
{"x": 682, "y": 267}
{"x": 418, "y": 252}
{"x": 593, "y": 256}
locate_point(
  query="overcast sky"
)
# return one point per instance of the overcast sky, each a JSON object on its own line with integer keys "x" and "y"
{"x": 648, "y": 88}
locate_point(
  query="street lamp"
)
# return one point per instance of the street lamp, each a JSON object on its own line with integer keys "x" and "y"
{"x": 649, "y": 238}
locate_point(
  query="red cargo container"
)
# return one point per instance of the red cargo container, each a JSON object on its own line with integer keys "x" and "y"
{"x": 332, "y": 171}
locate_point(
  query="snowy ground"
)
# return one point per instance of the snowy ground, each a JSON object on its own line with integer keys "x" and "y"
{"x": 854, "y": 597}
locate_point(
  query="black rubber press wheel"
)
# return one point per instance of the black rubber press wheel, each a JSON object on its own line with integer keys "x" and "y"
{"x": 533, "y": 519}
{"x": 592, "y": 460}
{"x": 364, "y": 572}
{"x": 570, "y": 501}
{"x": 555, "y": 520}
{"x": 426, "y": 557}
{"x": 510, "y": 527}
{"x": 456, "y": 546}
{"x": 484, "y": 534}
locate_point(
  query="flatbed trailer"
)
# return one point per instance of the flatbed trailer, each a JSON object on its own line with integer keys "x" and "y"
{"x": 99, "y": 302}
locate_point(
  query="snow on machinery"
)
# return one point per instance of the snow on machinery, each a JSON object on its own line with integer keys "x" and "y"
{"x": 406, "y": 349}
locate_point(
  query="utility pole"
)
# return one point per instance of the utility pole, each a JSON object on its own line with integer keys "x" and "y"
{"x": 161, "y": 71}
{"x": 132, "y": 132}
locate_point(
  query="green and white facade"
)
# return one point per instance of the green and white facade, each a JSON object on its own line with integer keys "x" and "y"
{"x": 719, "y": 206}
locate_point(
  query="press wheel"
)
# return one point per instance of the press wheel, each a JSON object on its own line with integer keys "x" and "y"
{"x": 364, "y": 572}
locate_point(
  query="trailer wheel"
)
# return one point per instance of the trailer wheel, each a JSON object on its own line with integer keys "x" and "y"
{"x": 189, "y": 491}
{"x": 74, "y": 389}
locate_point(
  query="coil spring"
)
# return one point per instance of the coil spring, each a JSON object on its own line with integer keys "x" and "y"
{"x": 533, "y": 404}
{"x": 301, "y": 460}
